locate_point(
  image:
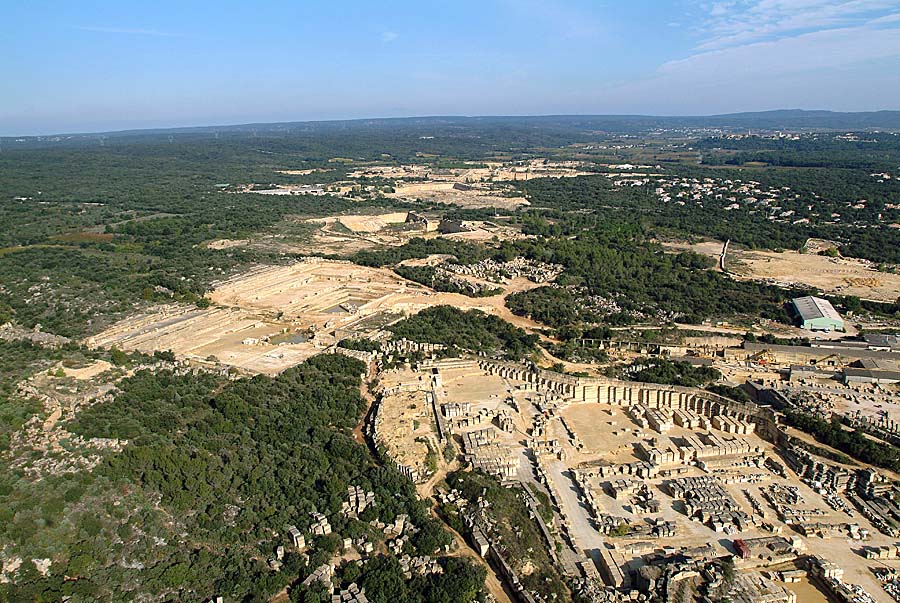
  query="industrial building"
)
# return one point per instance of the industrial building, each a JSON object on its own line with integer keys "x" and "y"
{"x": 883, "y": 342}
{"x": 869, "y": 370}
{"x": 854, "y": 375}
{"x": 817, "y": 314}
{"x": 835, "y": 355}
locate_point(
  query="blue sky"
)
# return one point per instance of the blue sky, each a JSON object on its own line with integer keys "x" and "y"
{"x": 92, "y": 65}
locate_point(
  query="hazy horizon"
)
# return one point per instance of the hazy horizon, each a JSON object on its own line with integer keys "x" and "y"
{"x": 104, "y": 66}
{"x": 207, "y": 125}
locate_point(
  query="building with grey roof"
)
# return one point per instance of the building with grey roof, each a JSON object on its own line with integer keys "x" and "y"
{"x": 817, "y": 314}
{"x": 863, "y": 375}
{"x": 885, "y": 342}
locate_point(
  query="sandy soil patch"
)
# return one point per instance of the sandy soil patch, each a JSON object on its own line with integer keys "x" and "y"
{"x": 444, "y": 192}
{"x": 423, "y": 188}
{"x": 807, "y": 592}
{"x": 841, "y": 276}
{"x": 605, "y": 430}
{"x": 406, "y": 420}
{"x": 303, "y": 172}
{"x": 227, "y": 243}
{"x": 344, "y": 235}
{"x": 432, "y": 260}
{"x": 87, "y": 372}
{"x": 331, "y": 238}
{"x": 233, "y": 337}
{"x": 372, "y": 223}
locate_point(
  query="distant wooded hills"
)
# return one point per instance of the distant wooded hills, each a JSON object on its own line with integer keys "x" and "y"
{"x": 576, "y": 127}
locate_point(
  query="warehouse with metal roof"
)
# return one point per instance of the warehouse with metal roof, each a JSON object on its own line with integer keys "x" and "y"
{"x": 817, "y": 314}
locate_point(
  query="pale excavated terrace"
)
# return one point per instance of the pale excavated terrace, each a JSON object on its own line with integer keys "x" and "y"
{"x": 274, "y": 317}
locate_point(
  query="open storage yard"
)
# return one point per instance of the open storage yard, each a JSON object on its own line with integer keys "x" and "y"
{"x": 630, "y": 476}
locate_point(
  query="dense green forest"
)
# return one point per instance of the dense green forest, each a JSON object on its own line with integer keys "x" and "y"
{"x": 861, "y": 229}
{"x": 360, "y": 345}
{"x": 383, "y": 579}
{"x": 201, "y": 495}
{"x": 852, "y": 442}
{"x": 869, "y": 151}
{"x": 617, "y": 277}
{"x": 614, "y": 274}
{"x": 671, "y": 372}
{"x": 405, "y": 137}
{"x": 450, "y": 139}
{"x": 417, "y": 248}
{"x": 473, "y": 331}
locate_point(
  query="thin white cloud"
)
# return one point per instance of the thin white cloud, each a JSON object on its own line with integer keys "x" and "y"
{"x": 787, "y": 70}
{"x": 815, "y": 50}
{"x": 389, "y": 36}
{"x": 737, "y": 22}
{"x": 895, "y": 18}
{"x": 720, "y": 9}
{"x": 768, "y": 38}
{"x": 130, "y": 31}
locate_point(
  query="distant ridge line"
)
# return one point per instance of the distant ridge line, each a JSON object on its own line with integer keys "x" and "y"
{"x": 772, "y": 119}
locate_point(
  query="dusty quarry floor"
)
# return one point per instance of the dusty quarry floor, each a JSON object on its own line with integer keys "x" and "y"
{"x": 844, "y": 276}
{"x": 443, "y": 192}
{"x": 274, "y": 317}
